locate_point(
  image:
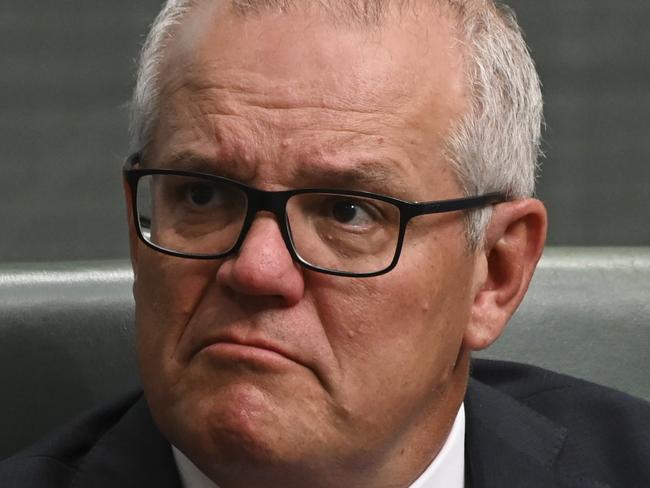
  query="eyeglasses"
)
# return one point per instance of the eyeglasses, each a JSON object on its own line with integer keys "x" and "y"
{"x": 338, "y": 232}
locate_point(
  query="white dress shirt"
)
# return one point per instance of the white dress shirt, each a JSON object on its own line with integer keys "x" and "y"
{"x": 447, "y": 469}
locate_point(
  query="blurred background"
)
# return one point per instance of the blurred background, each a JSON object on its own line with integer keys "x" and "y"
{"x": 67, "y": 68}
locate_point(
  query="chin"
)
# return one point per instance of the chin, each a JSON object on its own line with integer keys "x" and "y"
{"x": 240, "y": 425}
{"x": 244, "y": 440}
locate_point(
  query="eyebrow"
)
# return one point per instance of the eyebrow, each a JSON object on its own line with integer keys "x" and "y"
{"x": 189, "y": 161}
{"x": 377, "y": 176}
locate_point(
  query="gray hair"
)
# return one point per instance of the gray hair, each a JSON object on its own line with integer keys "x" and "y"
{"x": 495, "y": 147}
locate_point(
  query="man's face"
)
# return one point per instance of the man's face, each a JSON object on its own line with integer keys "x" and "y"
{"x": 252, "y": 363}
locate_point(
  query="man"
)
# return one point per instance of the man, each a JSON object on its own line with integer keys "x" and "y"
{"x": 301, "y": 320}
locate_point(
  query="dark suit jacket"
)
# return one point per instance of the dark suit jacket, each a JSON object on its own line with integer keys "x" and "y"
{"x": 526, "y": 427}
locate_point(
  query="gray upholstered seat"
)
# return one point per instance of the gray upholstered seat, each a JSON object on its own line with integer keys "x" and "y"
{"x": 66, "y": 333}
{"x": 587, "y": 314}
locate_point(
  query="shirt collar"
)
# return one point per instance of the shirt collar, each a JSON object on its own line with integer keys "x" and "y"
{"x": 447, "y": 469}
{"x": 191, "y": 476}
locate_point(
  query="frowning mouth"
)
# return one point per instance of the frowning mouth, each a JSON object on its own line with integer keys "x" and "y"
{"x": 245, "y": 352}
{"x": 235, "y": 351}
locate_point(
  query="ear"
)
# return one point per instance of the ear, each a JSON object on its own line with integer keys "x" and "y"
{"x": 514, "y": 242}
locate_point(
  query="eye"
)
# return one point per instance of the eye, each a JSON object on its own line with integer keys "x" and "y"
{"x": 202, "y": 194}
{"x": 352, "y": 213}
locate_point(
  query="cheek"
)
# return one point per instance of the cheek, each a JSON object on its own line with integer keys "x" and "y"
{"x": 166, "y": 291}
{"x": 401, "y": 332}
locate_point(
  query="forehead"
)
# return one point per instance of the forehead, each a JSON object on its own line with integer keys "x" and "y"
{"x": 308, "y": 46}
{"x": 307, "y": 87}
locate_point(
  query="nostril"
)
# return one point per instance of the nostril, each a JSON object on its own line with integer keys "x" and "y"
{"x": 263, "y": 265}
{"x": 260, "y": 280}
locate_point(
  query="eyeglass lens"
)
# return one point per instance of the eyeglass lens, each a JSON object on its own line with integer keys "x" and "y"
{"x": 202, "y": 217}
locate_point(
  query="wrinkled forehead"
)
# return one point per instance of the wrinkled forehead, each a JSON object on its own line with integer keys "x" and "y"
{"x": 388, "y": 90}
{"x": 310, "y": 48}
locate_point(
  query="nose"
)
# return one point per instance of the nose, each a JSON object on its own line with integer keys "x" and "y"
{"x": 263, "y": 265}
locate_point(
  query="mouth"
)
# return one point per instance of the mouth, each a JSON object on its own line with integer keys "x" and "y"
{"x": 246, "y": 352}
{"x": 234, "y": 350}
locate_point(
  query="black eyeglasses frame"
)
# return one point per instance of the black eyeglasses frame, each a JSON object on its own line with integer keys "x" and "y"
{"x": 276, "y": 203}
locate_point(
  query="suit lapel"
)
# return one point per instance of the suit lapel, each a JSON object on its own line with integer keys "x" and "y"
{"x": 132, "y": 454}
{"x": 511, "y": 445}
{"x": 507, "y": 445}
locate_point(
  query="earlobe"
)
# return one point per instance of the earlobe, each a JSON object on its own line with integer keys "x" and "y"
{"x": 514, "y": 242}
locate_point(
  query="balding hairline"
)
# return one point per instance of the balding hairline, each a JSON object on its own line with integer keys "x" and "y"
{"x": 154, "y": 54}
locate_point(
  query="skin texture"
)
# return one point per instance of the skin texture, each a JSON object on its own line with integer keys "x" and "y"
{"x": 367, "y": 374}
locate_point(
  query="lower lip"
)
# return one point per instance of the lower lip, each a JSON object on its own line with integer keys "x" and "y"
{"x": 231, "y": 352}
